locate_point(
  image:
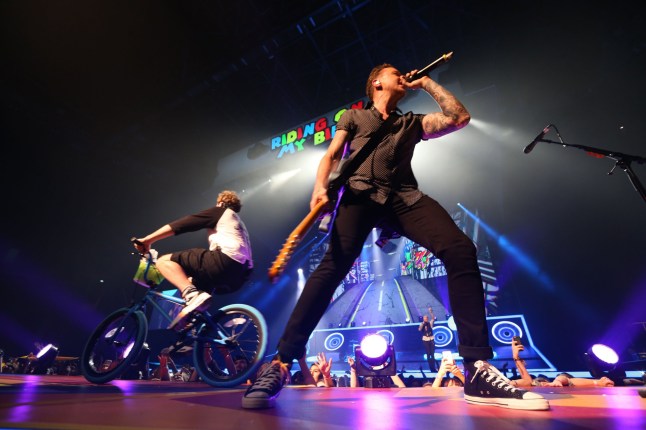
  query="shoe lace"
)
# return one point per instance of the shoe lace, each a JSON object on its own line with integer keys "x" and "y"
{"x": 189, "y": 294}
{"x": 276, "y": 373}
{"x": 494, "y": 377}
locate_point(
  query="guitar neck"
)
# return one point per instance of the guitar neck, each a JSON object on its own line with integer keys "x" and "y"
{"x": 293, "y": 240}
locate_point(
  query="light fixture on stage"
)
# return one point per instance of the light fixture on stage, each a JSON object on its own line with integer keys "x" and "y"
{"x": 375, "y": 361}
{"x": 600, "y": 360}
{"x": 45, "y": 359}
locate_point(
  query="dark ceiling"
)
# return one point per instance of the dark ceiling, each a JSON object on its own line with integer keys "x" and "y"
{"x": 116, "y": 114}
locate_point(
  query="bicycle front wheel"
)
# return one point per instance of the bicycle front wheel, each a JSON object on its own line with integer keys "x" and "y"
{"x": 231, "y": 346}
{"x": 114, "y": 346}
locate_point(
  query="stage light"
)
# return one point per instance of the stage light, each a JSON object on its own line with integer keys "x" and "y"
{"x": 45, "y": 359}
{"x": 600, "y": 360}
{"x": 375, "y": 360}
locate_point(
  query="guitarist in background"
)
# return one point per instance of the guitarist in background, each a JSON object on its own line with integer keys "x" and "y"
{"x": 384, "y": 191}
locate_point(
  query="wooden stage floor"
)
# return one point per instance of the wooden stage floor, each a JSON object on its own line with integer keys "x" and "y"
{"x": 72, "y": 403}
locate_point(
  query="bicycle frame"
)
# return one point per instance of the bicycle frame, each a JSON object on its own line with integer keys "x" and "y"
{"x": 235, "y": 332}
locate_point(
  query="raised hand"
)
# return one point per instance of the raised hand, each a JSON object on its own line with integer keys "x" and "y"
{"x": 324, "y": 365}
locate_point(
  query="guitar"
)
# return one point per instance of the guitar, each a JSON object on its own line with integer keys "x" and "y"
{"x": 294, "y": 239}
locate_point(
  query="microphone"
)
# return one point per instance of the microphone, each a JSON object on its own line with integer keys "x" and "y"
{"x": 426, "y": 70}
{"x": 541, "y": 135}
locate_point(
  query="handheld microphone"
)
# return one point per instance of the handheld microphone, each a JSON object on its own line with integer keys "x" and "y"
{"x": 533, "y": 143}
{"x": 426, "y": 70}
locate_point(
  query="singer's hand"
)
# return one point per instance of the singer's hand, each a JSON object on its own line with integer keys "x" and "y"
{"x": 412, "y": 85}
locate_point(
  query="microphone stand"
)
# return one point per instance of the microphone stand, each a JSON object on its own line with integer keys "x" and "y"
{"x": 622, "y": 160}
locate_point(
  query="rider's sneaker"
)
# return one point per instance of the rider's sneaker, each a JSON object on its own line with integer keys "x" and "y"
{"x": 486, "y": 385}
{"x": 198, "y": 301}
{"x": 263, "y": 392}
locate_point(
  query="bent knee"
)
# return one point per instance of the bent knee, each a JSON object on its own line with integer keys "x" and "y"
{"x": 459, "y": 248}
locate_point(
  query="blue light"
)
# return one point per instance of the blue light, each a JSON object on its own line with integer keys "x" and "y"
{"x": 519, "y": 256}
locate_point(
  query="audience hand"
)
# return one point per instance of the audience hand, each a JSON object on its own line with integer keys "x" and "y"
{"x": 324, "y": 365}
{"x": 605, "y": 382}
{"x": 516, "y": 349}
{"x": 351, "y": 364}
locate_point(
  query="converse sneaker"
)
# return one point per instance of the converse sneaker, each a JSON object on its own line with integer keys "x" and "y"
{"x": 485, "y": 385}
{"x": 195, "y": 301}
{"x": 262, "y": 393}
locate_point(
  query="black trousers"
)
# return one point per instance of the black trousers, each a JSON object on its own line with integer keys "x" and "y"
{"x": 426, "y": 223}
{"x": 212, "y": 271}
{"x": 429, "y": 346}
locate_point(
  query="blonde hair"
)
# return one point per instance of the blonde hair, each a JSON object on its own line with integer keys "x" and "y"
{"x": 229, "y": 199}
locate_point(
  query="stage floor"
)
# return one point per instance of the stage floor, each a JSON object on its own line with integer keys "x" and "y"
{"x": 72, "y": 403}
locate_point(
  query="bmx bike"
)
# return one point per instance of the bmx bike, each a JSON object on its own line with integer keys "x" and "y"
{"x": 219, "y": 338}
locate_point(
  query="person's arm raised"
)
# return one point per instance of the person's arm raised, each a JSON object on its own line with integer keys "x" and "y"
{"x": 453, "y": 116}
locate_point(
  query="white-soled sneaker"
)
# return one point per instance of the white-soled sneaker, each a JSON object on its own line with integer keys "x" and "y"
{"x": 486, "y": 385}
{"x": 263, "y": 392}
{"x": 198, "y": 302}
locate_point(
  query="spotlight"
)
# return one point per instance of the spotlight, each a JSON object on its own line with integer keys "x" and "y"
{"x": 45, "y": 359}
{"x": 600, "y": 360}
{"x": 375, "y": 360}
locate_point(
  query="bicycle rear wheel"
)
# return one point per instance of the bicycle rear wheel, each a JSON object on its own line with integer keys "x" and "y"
{"x": 114, "y": 346}
{"x": 231, "y": 346}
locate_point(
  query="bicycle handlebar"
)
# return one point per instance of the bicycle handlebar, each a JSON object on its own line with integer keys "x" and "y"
{"x": 136, "y": 241}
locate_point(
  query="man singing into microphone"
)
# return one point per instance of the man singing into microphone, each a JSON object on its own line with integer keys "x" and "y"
{"x": 384, "y": 191}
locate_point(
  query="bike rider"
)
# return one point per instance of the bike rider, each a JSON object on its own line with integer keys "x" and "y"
{"x": 222, "y": 268}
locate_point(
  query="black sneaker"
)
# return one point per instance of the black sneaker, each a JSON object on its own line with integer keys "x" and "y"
{"x": 485, "y": 385}
{"x": 263, "y": 392}
{"x": 196, "y": 302}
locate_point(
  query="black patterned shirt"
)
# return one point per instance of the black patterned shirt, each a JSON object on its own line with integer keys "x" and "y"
{"x": 388, "y": 169}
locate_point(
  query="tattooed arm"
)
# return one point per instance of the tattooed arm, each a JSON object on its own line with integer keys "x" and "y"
{"x": 453, "y": 116}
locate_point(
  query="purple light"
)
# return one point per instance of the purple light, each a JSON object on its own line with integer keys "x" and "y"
{"x": 374, "y": 346}
{"x": 605, "y": 353}
{"x": 128, "y": 349}
{"x": 44, "y": 350}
